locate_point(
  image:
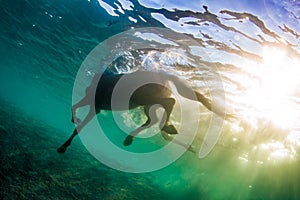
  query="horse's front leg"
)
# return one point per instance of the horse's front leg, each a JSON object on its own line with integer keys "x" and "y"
{"x": 81, "y": 103}
{"x": 86, "y": 100}
{"x": 77, "y": 130}
{"x": 65, "y": 145}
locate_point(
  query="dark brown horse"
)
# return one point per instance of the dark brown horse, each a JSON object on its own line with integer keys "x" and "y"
{"x": 101, "y": 89}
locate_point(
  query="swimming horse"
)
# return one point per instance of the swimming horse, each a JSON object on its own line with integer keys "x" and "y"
{"x": 147, "y": 95}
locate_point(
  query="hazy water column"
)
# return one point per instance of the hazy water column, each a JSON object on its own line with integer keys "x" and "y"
{"x": 42, "y": 45}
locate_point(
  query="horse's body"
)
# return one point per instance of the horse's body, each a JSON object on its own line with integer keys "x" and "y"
{"x": 146, "y": 96}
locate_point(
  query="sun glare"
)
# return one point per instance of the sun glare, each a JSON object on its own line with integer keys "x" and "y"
{"x": 271, "y": 93}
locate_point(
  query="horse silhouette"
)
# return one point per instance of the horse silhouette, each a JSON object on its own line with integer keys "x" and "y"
{"x": 100, "y": 92}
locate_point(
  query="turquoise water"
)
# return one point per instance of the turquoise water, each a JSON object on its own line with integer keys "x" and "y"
{"x": 253, "y": 45}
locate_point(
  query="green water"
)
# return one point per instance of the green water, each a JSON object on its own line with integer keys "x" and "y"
{"x": 42, "y": 45}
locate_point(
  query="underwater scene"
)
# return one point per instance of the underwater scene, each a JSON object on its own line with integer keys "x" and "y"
{"x": 225, "y": 120}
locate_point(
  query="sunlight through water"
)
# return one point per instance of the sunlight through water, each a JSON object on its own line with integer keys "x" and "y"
{"x": 251, "y": 47}
{"x": 271, "y": 100}
{"x": 271, "y": 92}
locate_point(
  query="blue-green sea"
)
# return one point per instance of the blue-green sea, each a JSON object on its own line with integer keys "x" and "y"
{"x": 252, "y": 46}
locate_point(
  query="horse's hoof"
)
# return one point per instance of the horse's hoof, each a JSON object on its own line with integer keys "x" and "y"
{"x": 128, "y": 140}
{"x": 170, "y": 129}
{"x": 62, "y": 149}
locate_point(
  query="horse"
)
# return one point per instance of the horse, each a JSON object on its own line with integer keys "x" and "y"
{"x": 102, "y": 87}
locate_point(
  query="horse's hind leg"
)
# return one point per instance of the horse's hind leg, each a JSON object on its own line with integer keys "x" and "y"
{"x": 168, "y": 105}
{"x": 151, "y": 120}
